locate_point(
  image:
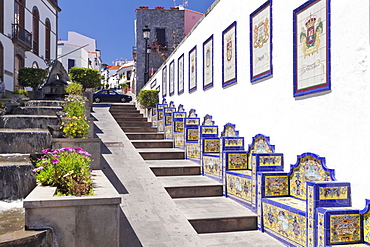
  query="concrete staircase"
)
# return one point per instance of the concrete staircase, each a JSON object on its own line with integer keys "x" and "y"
{"x": 199, "y": 197}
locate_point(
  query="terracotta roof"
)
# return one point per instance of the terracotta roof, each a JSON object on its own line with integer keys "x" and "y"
{"x": 193, "y": 11}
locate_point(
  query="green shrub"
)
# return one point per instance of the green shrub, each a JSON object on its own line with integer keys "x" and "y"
{"x": 148, "y": 98}
{"x": 89, "y": 78}
{"x": 68, "y": 169}
{"x": 2, "y": 106}
{"x": 32, "y": 77}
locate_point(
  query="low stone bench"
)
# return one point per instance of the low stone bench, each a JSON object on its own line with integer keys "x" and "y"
{"x": 288, "y": 202}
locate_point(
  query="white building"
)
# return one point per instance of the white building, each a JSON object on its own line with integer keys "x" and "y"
{"x": 122, "y": 72}
{"x": 79, "y": 51}
{"x": 28, "y": 36}
{"x": 309, "y": 115}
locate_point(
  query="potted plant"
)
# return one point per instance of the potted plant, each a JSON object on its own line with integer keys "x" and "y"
{"x": 67, "y": 169}
{"x": 143, "y": 7}
{"x": 77, "y": 129}
{"x": 147, "y": 100}
{"x": 124, "y": 87}
{"x": 68, "y": 196}
{"x": 159, "y": 7}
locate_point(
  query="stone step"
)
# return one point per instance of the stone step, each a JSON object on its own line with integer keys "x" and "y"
{"x": 217, "y": 214}
{"x": 239, "y": 238}
{"x": 37, "y": 110}
{"x": 44, "y": 103}
{"x": 161, "y": 154}
{"x": 145, "y": 136}
{"x": 139, "y": 129}
{"x": 134, "y": 124}
{"x": 27, "y": 238}
{"x": 133, "y": 119}
{"x": 127, "y": 115}
{"x": 174, "y": 167}
{"x": 191, "y": 186}
{"x": 28, "y": 121}
{"x": 152, "y": 143}
{"x": 24, "y": 141}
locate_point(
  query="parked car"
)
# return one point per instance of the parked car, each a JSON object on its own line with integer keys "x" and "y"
{"x": 110, "y": 95}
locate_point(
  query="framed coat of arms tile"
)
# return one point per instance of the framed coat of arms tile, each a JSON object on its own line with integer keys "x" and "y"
{"x": 208, "y": 63}
{"x": 229, "y": 66}
{"x": 261, "y": 42}
{"x": 164, "y": 81}
{"x": 193, "y": 69}
{"x": 180, "y": 74}
{"x": 311, "y": 47}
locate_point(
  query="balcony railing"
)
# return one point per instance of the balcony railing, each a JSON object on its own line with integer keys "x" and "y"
{"x": 22, "y": 37}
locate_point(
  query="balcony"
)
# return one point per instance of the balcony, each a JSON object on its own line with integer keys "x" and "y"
{"x": 22, "y": 37}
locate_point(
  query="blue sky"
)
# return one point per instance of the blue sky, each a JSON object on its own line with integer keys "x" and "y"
{"x": 111, "y": 22}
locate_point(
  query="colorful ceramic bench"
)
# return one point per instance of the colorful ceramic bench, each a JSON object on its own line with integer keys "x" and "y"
{"x": 178, "y": 127}
{"x": 288, "y": 202}
{"x": 240, "y": 170}
{"x": 192, "y": 141}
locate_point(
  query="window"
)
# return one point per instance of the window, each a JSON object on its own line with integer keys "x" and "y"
{"x": 128, "y": 75}
{"x": 17, "y": 66}
{"x": 1, "y": 60}
{"x": 161, "y": 36}
{"x": 19, "y": 12}
{"x": 71, "y": 63}
{"x": 35, "y": 35}
{"x": 47, "y": 39}
{"x": 1, "y": 16}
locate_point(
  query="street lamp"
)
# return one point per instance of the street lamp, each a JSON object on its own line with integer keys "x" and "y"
{"x": 146, "y": 34}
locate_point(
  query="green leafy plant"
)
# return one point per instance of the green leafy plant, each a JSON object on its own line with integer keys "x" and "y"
{"x": 89, "y": 78}
{"x": 32, "y": 77}
{"x": 75, "y": 125}
{"x": 148, "y": 98}
{"x": 74, "y": 88}
{"x": 2, "y": 106}
{"x": 67, "y": 168}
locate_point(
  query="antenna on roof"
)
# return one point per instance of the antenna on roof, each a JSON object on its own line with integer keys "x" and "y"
{"x": 174, "y": 2}
{"x": 185, "y": 3}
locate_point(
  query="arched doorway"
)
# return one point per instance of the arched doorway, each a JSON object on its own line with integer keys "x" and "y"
{"x": 18, "y": 64}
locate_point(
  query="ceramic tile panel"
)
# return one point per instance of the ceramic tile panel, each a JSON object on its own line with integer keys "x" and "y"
{"x": 311, "y": 47}
{"x": 309, "y": 167}
{"x": 289, "y": 202}
{"x": 192, "y": 121}
{"x": 345, "y": 228}
{"x": 192, "y": 134}
{"x": 331, "y": 193}
{"x": 212, "y": 166}
{"x": 320, "y": 230}
{"x": 208, "y": 120}
{"x": 192, "y": 150}
{"x": 229, "y": 60}
{"x": 179, "y": 140}
{"x": 179, "y": 126}
{"x": 229, "y": 131}
{"x": 208, "y": 63}
{"x": 310, "y": 216}
{"x": 276, "y": 186}
{"x": 209, "y": 130}
{"x": 192, "y": 114}
{"x": 239, "y": 187}
{"x": 367, "y": 227}
{"x": 154, "y": 117}
{"x": 261, "y": 42}
{"x": 285, "y": 224}
{"x": 260, "y": 144}
{"x": 236, "y": 161}
{"x": 211, "y": 146}
{"x": 259, "y": 202}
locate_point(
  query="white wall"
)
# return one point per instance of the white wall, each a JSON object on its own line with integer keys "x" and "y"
{"x": 335, "y": 125}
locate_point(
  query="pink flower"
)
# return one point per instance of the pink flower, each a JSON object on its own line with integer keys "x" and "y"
{"x": 45, "y": 151}
{"x": 37, "y": 169}
{"x": 54, "y": 161}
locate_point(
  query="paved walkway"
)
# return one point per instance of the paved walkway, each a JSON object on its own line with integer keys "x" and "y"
{"x": 150, "y": 216}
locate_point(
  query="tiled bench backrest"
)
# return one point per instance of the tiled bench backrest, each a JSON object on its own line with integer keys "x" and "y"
{"x": 168, "y": 123}
{"x": 240, "y": 178}
{"x": 178, "y": 127}
{"x": 159, "y": 119}
{"x": 211, "y": 149}
{"x": 192, "y": 136}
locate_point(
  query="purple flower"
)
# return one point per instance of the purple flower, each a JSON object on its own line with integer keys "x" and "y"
{"x": 37, "y": 169}
{"x": 45, "y": 151}
{"x": 54, "y": 161}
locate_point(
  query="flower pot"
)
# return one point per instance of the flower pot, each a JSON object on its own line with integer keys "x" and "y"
{"x": 76, "y": 221}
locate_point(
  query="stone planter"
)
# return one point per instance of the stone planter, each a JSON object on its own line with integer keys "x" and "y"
{"x": 76, "y": 221}
{"x": 90, "y": 145}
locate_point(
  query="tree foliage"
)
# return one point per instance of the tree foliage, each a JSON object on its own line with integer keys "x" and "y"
{"x": 89, "y": 78}
{"x": 32, "y": 77}
{"x": 148, "y": 98}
